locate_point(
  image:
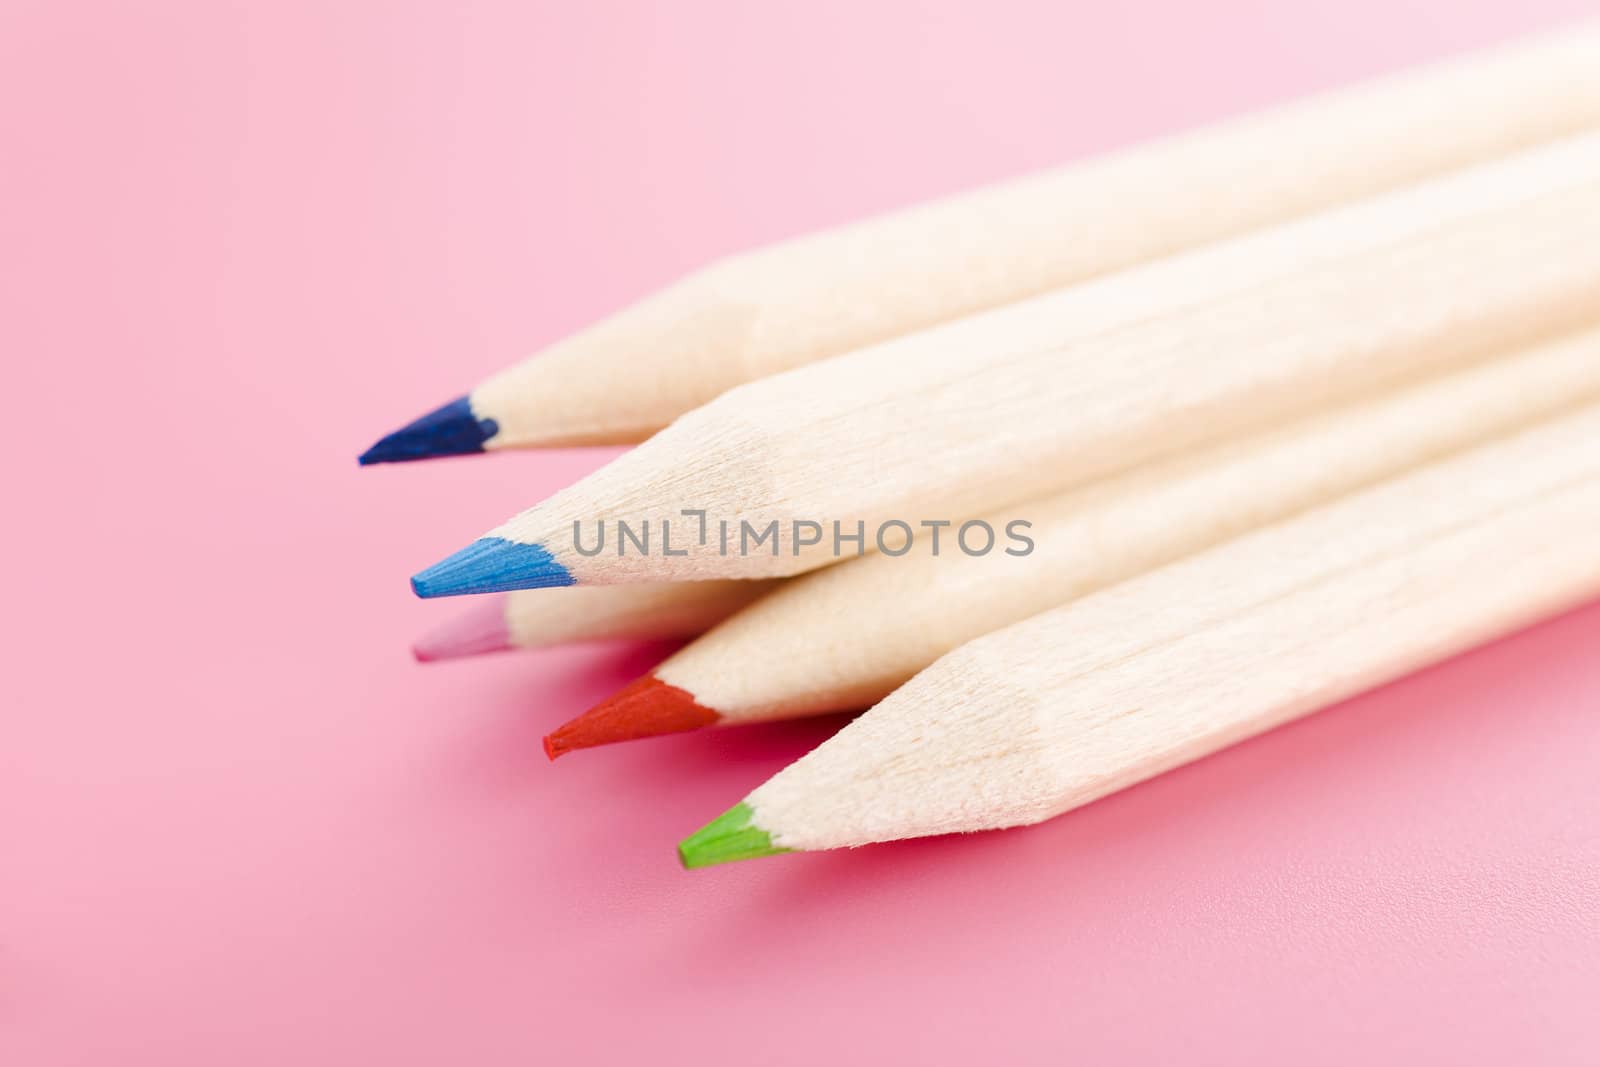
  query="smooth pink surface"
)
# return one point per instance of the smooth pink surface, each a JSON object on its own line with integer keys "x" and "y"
{"x": 240, "y": 826}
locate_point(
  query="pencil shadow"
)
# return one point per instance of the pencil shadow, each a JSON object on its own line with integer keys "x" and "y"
{"x": 531, "y": 693}
{"x": 604, "y": 662}
{"x": 523, "y": 703}
{"x": 1137, "y": 849}
{"x": 764, "y": 742}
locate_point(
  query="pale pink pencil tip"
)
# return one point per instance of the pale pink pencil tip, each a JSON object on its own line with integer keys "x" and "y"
{"x": 479, "y": 630}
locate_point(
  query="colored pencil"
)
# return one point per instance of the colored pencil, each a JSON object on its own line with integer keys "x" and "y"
{"x": 1034, "y": 399}
{"x": 808, "y": 299}
{"x": 1057, "y": 711}
{"x": 845, "y": 637}
{"x": 541, "y": 617}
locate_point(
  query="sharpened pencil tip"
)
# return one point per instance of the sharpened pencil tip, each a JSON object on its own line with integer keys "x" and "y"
{"x": 492, "y": 565}
{"x": 647, "y": 708}
{"x": 730, "y": 836}
{"x": 452, "y": 430}
{"x": 479, "y": 630}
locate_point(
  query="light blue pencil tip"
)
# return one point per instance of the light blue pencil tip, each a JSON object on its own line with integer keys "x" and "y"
{"x": 492, "y": 565}
{"x": 452, "y": 430}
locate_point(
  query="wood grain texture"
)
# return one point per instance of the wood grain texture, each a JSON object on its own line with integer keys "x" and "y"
{"x": 777, "y": 308}
{"x": 1059, "y": 710}
{"x": 538, "y": 617}
{"x": 844, "y": 637}
{"x": 1052, "y": 393}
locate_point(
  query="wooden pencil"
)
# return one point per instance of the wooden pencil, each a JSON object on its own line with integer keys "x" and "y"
{"x": 845, "y": 637}
{"x": 1039, "y": 397}
{"x": 1056, "y": 711}
{"x": 804, "y": 300}
{"x": 537, "y": 618}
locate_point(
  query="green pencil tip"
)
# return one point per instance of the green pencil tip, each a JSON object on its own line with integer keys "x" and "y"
{"x": 730, "y": 836}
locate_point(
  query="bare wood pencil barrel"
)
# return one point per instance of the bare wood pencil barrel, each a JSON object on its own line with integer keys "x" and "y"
{"x": 1054, "y": 712}
{"x": 534, "y": 618}
{"x": 1051, "y": 393}
{"x": 844, "y": 637}
{"x": 768, "y": 311}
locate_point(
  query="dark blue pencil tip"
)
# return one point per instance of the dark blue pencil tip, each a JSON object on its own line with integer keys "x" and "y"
{"x": 492, "y": 565}
{"x": 452, "y": 430}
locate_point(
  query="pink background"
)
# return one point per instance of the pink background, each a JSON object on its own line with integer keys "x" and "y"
{"x": 240, "y": 826}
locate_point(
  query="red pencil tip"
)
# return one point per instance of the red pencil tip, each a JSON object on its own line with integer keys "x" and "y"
{"x": 646, "y": 708}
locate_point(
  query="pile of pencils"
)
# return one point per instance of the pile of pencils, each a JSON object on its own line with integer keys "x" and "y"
{"x": 1075, "y": 479}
